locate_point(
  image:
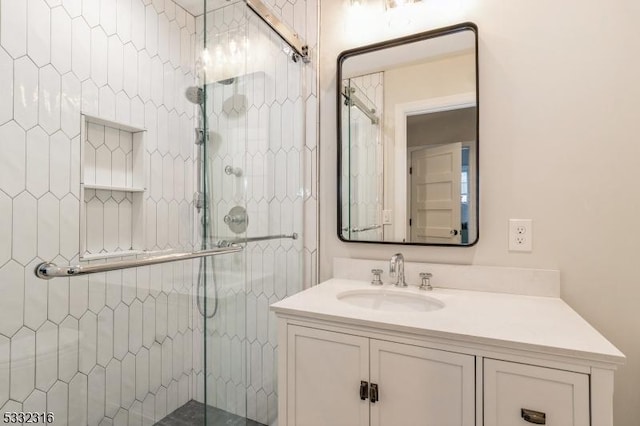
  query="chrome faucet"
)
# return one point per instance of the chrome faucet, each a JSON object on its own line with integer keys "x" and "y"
{"x": 396, "y": 269}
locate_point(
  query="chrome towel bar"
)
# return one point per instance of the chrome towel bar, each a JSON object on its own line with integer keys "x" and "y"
{"x": 228, "y": 243}
{"x": 361, "y": 229}
{"x": 365, "y": 228}
{"x": 48, "y": 270}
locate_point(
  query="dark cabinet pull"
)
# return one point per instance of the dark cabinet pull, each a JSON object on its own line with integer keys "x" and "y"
{"x": 364, "y": 390}
{"x": 535, "y": 417}
{"x": 373, "y": 393}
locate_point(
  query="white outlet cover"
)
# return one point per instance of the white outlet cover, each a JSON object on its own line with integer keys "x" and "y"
{"x": 386, "y": 217}
{"x": 520, "y": 235}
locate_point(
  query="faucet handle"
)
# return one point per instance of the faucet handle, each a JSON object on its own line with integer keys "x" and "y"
{"x": 376, "y": 277}
{"x": 426, "y": 281}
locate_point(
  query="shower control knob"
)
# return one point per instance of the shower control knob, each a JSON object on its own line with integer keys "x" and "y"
{"x": 234, "y": 219}
{"x": 237, "y": 219}
{"x": 236, "y": 171}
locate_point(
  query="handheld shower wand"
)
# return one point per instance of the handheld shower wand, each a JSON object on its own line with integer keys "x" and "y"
{"x": 196, "y": 95}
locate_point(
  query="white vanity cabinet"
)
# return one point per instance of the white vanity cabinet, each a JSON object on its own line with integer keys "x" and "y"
{"x": 513, "y": 392}
{"x": 323, "y": 377}
{"x": 421, "y": 386}
{"x": 482, "y": 359}
{"x": 344, "y": 379}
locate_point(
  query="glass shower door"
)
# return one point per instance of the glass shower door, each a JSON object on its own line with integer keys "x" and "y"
{"x": 252, "y": 173}
{"x": 275, "y": 164}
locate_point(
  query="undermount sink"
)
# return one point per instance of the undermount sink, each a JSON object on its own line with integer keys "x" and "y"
{"x": 394, "y": 300}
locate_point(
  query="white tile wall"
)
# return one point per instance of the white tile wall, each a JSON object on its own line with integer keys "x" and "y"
{"x": 86, "y": 348}
{"x": 120, "y": 348}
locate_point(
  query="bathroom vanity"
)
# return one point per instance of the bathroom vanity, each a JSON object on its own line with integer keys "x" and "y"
{"x": 355, "y": 354}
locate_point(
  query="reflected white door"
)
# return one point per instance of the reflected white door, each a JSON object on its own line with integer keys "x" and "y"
{"x": 435, "y": 194}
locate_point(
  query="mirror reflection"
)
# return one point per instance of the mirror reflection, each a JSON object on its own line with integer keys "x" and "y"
{"x": 408, "y": 131}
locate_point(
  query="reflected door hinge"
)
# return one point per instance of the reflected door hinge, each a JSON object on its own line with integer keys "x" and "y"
{"x": 410, "y": 170}
{"x": 409, "y": 222}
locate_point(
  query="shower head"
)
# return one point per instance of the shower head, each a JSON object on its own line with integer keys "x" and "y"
{"x": 195, "y": 95}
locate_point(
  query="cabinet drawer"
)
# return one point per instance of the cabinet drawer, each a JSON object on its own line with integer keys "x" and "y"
{"x": 560, "y": 397}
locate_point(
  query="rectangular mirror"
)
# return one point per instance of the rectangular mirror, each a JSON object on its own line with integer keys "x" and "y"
{"x": 408, "y": 140}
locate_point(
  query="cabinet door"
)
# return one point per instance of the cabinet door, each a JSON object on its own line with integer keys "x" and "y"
{"x": 509, "y": 388}
{"x": 324, "y": 370}
{"x": 420, "y": 386}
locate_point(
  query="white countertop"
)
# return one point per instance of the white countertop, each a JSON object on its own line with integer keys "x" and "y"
{"x": 539, "y": 324}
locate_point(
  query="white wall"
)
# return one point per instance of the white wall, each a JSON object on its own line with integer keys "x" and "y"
{"x": 558, "y": 125}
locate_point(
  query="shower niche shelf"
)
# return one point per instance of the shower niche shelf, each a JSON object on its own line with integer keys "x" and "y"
{"x": 112, "y": 189}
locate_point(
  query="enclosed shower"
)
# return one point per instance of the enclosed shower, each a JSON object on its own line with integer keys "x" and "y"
{"x": 155, "y": 189}
{"x": 253, "y": 114}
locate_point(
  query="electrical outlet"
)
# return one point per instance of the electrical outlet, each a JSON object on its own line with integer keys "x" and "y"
{"x": 386, "y": 217}
{"x": 520, "y": 235}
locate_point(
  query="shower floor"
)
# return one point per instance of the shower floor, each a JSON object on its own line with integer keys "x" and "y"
{"x": 192, "y": 414}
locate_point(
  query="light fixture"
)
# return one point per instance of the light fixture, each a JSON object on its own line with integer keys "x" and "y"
{"x": 392, "y": 4}
{"x": 400, "y": 12}
{"x": 226, "y": 58}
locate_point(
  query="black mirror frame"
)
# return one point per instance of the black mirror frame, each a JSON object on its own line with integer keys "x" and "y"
{"x": 466, "y": 26}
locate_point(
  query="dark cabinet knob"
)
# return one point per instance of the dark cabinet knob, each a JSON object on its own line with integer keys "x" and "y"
{"x": 373, "y": 393}
{"x": 364, "y": 390}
